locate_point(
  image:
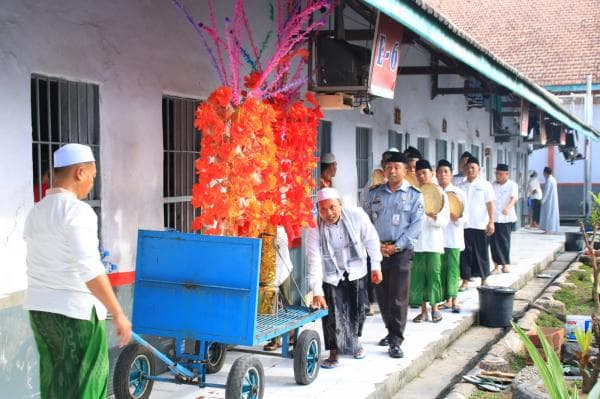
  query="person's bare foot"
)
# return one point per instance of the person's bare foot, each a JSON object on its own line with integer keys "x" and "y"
{"x": 496, "y": 270}
{"x": 505, "y": 269}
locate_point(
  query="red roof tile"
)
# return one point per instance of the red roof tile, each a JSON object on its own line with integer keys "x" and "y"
{"x": 552, "y": 42}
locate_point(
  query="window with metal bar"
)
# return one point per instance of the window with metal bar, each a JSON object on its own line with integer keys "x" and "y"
{"x": 423, "y": 146}
{"x": 63, "y": 112}
{"x": 441, "y": 150}
{"x": 460, "y": 149}
{"x": 406, "y": 141}
{"x": 395, "y": 140}
{"x": 364, "y": 156}
{"x": 181, "y": 147}
{"x": 475, "y": 151}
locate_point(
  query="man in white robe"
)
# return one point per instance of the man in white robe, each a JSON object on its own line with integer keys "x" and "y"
{"x": 549, "y": 217}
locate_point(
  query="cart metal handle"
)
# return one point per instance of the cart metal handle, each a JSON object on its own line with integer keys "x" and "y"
{"x": 173, "y": 366}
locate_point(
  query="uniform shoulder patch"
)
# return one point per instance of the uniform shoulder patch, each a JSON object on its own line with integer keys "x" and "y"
{"x": 415, "y": 188}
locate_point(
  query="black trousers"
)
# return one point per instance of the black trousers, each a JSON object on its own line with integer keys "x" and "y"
{"x": 536, "y": 206}
{"x": 474, "y": 260}
{"x": 392, "y": 294}
{"x": 344, "y": 323}
{"x": 500, "y": 243}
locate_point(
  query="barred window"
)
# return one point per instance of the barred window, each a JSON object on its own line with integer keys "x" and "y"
{"x": 324, "y": 138}
{"x": 63, "y": 112}
{"x": 181, "y": 147}
{"x": 395, "y": 140}
{"x": 441, "y": 149}
{"x": 423, "y": 147}
{"x": 475, "y": 151}
{"x": 364, "y": 156}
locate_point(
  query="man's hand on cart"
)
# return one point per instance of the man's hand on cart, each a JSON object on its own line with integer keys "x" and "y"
{"x": 318, "y": 302}
{"x": 376, "y": 276}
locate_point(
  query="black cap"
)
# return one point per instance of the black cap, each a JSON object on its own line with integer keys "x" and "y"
{"x": 472, "y": 160}
{"x": 466, "y": 154}
{"x": 442, "y": 163}
{"x": 396, "y": 157}
{"x": 423, "y": 164}
{"x": 412, "y": 153}
{"x": 502, "y": 167}
{"x": 386, "y": 155}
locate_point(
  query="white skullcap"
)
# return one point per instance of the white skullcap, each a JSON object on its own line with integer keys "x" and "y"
{"x": 71, "y": 154}
{"x": 393, "y": 149}
{"x": 328, "y": 158}
{"x": 327, "y": 193}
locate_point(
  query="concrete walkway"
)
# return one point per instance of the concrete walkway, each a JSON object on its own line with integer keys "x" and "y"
{"x": 378, "y": 375}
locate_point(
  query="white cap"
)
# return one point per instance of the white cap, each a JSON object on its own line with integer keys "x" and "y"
{"x": 393, "y": 149}
{"x": 71, "y": 154}
{"x": 327, "y": 193}
{"x": 328, "y": 158}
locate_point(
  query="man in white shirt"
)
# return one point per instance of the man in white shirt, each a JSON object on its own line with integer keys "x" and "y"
{"x": 474, "y": 260}
{"x": 507, "y": 193}
{"x": 426, "y": 284}
{"x": 69, "y": 293}
{"x": 534, "y": 193}
{"x": 454, "y": 240}
{"x": 337, "y": 252}
{"x": 458, "y": 178}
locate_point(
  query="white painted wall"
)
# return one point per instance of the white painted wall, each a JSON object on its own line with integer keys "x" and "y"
{"x": 136, "y": 51}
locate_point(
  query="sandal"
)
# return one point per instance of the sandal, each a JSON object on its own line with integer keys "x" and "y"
{"x": 271, "y": 346}
{"x": 436, "y": 316}
{"x": 455, "y": 309}
{"x": 360, "y": 353}
{"x": 444, "y": 306}
{"x": 329, "y": 363}
{"x": 420, "y": 318}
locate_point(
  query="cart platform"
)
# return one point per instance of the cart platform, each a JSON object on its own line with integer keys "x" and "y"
{"x": 193, "y": 286}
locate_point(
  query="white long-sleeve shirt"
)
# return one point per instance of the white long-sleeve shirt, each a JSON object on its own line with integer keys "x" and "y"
{"x": 364, "y": 232}
{"x": 432, "y": 234}
{"x": 61, "y": 233}
{"x": 454, "y": 235}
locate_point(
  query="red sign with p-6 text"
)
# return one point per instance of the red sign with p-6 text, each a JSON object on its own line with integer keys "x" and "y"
{"x": 385, "y": 58}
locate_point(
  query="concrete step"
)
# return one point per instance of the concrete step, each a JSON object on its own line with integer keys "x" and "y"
{"x": 465, "y": 353}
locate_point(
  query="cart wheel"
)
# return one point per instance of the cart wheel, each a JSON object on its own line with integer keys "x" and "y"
{"x": 246, "y": 379}
{"x": 306, "y": 357}
{"x": 134, "y": 363}
{"x": 215, "y": 358}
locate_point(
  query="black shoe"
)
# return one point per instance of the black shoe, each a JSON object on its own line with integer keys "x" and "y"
{"x": 395, "y": 351}
{"x": 384, "y": 341}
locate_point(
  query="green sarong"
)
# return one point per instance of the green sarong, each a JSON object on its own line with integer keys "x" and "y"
{"x": 73, "y": 356}
{"x": 425, "y": 282}
{"x": 450, "y": 272}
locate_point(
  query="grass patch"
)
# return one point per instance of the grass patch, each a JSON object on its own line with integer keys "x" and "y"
{"x": 578, "y": 300}
{"x": 517, "y": 362}
{"x": 547, "y": 320}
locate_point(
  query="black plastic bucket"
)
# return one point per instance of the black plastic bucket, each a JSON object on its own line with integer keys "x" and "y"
{"x": 495, "y": 306}
{"x": 573, "y": 241}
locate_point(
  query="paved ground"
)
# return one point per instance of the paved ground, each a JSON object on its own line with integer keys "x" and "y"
{"x": 377, "y": 375}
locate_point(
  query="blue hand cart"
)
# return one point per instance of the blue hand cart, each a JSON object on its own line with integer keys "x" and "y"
{"x": 204, "y": 290}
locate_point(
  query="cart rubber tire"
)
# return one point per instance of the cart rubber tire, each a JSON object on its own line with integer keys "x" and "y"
{"x": 306, "y": 357}
{"x": 215, "y": 358}
{"x": 133, "y": 363}
{"x": 246, "y": 379}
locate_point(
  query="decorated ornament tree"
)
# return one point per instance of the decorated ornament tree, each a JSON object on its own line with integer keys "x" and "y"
{"x": 259, "y": 136}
